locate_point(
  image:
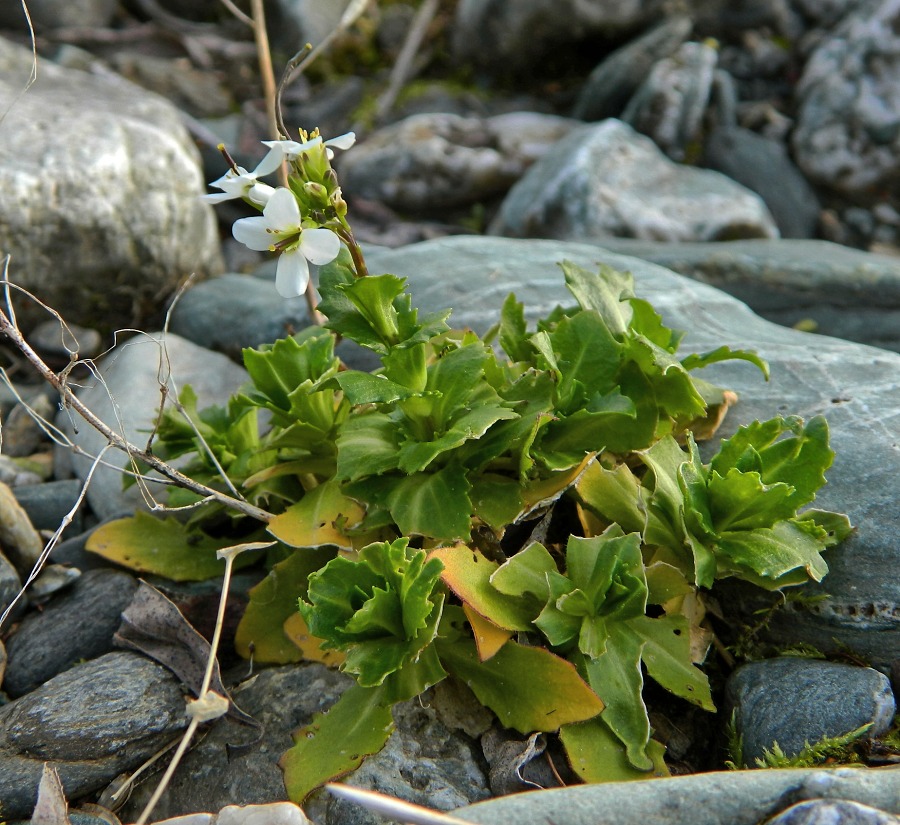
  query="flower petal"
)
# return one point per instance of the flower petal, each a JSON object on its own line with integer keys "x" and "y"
{"x": 282, "y": 211}
{"x": 271, "y": 161}
{"x": 342, "y": 141}
{"x": 216, "y": 197}
{"x": 253, "y": 233}
{"x": 291, "y": 274}
{"x": 320, "y": 246}
{"x": 260, "y": 193}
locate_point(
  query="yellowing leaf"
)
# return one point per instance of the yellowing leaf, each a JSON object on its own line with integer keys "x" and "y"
{"x": 164, "y": 547}
{"x": 467, "y": 573}
{"x": 529, "y": 688}
{"x": 296, "y": 630}
{"x": 488, "y": 637}
{"x": 543, "y": 493}
{"x": 318, "y": 519}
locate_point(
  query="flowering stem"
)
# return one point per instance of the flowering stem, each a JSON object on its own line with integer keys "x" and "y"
{"x": 359, "y": 262}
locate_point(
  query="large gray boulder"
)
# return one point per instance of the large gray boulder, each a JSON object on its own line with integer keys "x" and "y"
{"x": 853, "y": 386}
{"x": 100, "y": 180}
{"x": 848, "y": 123}
{"x": 605, "y": 180}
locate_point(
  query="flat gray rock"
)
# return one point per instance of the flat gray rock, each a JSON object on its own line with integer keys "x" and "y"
{"x": 100, "y": 183}
{"x": 855, "y": 387}
{"x": 797, "y": 702}
{"x": 91, "y": 723}
{"x": 722, "y": 798}
{"x": 606, "y": 180}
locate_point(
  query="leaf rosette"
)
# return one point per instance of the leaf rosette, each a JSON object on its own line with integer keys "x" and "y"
{"x": 381, "y": 610}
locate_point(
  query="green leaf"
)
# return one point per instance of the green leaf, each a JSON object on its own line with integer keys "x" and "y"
{"x": 698, "y": 361}
{"x": 800, "y": 459}
{"x": 454, "y": 376}
{"x": 648, "y": 323}
{"x": 513, "y": 332}
{"x": 596, "y": 754}
{"x": 559, "y": 627}
{"x": 740, "y": 501}
{"x": 674, "y": 389}
{"x": 368, "y": 444}
{"x": 567, "y": 440}
{"x": 607, "y": 292}
{"x": 471, "y": 424}
{"x": 833, "y": 528}
{"x": 614, "y": 494}
{"x": 497, "y": 500}
{"x": 365, "y": 388}
{"x": 374, "y": 311}
{"x": 337, "y": 741}
{"x": 587, "y": 357}
{"x": 260, "y": 634}
{"x": 665, "y": 582}
{"x": 528, "y": 688}
{"x": 382, "y": 610}
{"x": 279, "y": 369}
{"x": 772, "y": 552}
{"x": 377, "y": 659}
{"x": 164, "y": 547}
{"x": 525, "y": 573}
{"x": 667, "y": 656}
{"x": 616, "y": 678}
{"x": 432, "y": 504}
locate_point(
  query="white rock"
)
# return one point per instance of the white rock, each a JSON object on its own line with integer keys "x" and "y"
{"x": 100, "y": 182}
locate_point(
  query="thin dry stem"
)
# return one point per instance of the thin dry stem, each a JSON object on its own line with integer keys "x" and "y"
{"x": 237, "y": 12}
{"x": 229, "y": 554}
{"x": 403, "y": 68}
{"x": 70, "y": 400}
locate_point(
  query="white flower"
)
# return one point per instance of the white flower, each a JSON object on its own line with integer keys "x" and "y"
{"x": 279, "y": 150}
{"x": 240, "y": 184}
{"x": 279, "y": 229}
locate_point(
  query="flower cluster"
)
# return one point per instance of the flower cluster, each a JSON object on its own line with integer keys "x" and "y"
{"x": 303, "y": 221}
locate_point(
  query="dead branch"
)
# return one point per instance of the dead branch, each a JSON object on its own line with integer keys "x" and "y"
{"x": 119, "y": 442}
